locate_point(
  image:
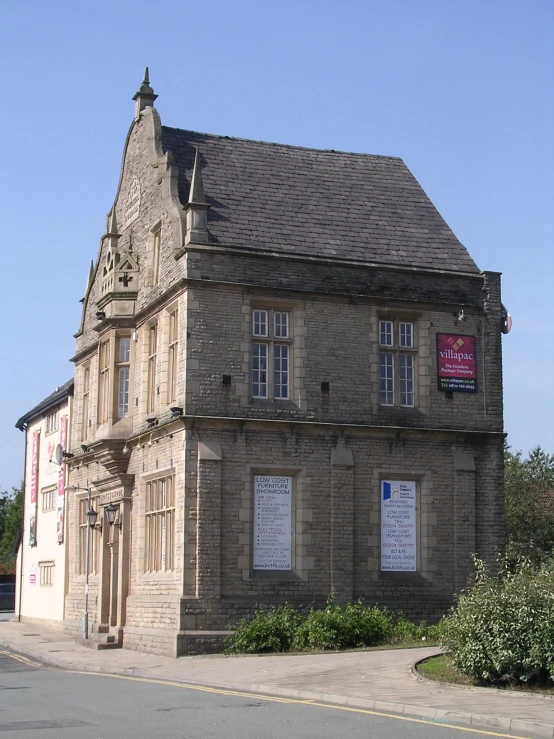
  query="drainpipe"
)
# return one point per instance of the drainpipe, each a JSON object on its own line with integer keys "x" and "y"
{"x": 22, "y": 540}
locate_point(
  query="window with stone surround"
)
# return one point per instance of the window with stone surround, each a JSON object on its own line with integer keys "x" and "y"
{"x": 271, "y": 354}
{"x": 94, "y": 542}
{"x": 172, "y": 355}
{"x": 104, "y": 381}
{"x": 151, "y": 373}
{"x": 123, "y": 370}
{"x": 85, "y": 406}
{"x": 159, "y": 525}
{"x": 49, "y": 498}
{"x": 52, "y": 421}
{"x": 46, "y": 573}
{"x": 397, "y": 363}
{"x": 156, "y": 246}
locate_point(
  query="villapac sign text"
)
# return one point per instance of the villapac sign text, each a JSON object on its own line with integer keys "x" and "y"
{"x": 456, "y": 363}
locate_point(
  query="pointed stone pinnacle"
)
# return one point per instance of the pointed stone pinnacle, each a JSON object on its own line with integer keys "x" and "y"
{"x": 145, "y": 96}
{"x": 196, "y": 194}
{"x": 112, "y": 224}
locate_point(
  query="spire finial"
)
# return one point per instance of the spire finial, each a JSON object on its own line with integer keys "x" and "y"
{"x": 196, "y": 194}
{"x": 197, "y": 208}
{"x": 145, "y": 96}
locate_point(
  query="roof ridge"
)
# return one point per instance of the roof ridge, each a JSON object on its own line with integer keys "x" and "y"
{"x": 283, "y": 146}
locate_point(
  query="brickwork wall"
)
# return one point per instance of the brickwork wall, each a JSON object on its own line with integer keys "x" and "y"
{"x": 451, "y": 446}
{"x": 335, "y": 341}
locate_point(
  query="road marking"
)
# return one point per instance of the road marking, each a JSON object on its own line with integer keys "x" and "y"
{"x": 316, "y": 704}
{"x": 20, "y": 658}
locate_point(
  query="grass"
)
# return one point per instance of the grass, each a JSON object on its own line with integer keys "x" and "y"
{"x": 440, "y": 668}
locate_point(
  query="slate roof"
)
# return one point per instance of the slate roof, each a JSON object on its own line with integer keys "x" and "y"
{"x": 59, "y": 394}
{"x": 316, "y": 202}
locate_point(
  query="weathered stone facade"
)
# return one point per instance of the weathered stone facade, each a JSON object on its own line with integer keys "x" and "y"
{"x": 196, "y": 242}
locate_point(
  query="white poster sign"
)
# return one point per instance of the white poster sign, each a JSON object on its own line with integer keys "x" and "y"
{"x": 398, "y": 526}
{"x": 272, "y": 522}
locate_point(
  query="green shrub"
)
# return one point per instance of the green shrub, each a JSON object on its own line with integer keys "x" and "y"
{"x": 405, "y": 631}
{"x": 503, "y": 625}
{"x": 270, "y": 631}
{"x": 346, "y": 627}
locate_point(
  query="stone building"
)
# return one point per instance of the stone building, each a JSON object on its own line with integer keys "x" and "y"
{"x": 41, "y": 576}
{"x": 287, "y": 383}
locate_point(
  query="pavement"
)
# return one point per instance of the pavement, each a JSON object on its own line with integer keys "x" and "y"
{"x": 380, "y": 680}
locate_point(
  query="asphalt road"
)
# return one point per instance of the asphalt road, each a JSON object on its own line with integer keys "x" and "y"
{"x": 47, "y": 703}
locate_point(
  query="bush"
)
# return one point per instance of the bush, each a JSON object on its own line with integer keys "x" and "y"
{"x": 271, "y": 631}
{"x": 406, "y": 631}
{"x": 346, "y": 627}
{"x": 503, "y": 625}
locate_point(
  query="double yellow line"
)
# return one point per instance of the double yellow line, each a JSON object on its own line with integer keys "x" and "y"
{"x": 274, "y": 699}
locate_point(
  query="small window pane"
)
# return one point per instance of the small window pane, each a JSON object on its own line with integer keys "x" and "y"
{"x": 385, "y": 333}
{"x": 124, "y": 349}
{"x": 259, "y": 323}
{"x": 281, "y": 325}
{"x": 281, "y": 371}
{"x": 123, "y": 392}
{"x": 407, "y": 335}
{"x": 386, "y": 379}
{"x": 406, "y": 379}
{"x": 259, "y": 370}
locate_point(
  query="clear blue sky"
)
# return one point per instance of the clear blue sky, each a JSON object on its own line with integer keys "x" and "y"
{"x": 462, "y": 91}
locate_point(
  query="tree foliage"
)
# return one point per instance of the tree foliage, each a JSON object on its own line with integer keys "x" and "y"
{"x": 529, "y": 493}
{"x": 11, "y": 522}
{"x": 502, "y": 626}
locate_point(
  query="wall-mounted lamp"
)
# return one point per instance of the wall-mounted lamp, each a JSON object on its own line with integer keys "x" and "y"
{"x": 126, "y": 449}
{"x": 92, "y": 515}
{"x": 100, "y": 315}
{"x": 176, "y": 412}
{"x": 461, "y": 315}
{"x": 111, "y": 513}
{"x": 150, "y": 442}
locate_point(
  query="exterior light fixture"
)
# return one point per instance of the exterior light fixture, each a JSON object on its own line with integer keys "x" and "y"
{"x": 461, "y": 315}
{"x": 92, "y": 515}
{"x": 150, "y": 442}
{"x": 126, "y": 449}
{"x": 111, "y": 513}
{"x": 176, "y": 412}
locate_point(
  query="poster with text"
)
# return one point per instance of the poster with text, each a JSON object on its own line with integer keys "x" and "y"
{"x": 34, "y": 489}
{"x": 60, "y": 506}
{"x": 272, "y": 522}
{"x": 456, "y": 363}
{"x": 398, "y": 526}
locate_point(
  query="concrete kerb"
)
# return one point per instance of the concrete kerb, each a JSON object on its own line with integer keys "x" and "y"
{"x": 402, "y": 709}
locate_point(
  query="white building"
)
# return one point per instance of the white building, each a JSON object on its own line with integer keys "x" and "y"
{"x": 41, "y": 576}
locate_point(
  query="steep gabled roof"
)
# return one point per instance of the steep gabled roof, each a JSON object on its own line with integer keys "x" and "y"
{"x": 54, "y": 399}
{"x": 317, "y": 203}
